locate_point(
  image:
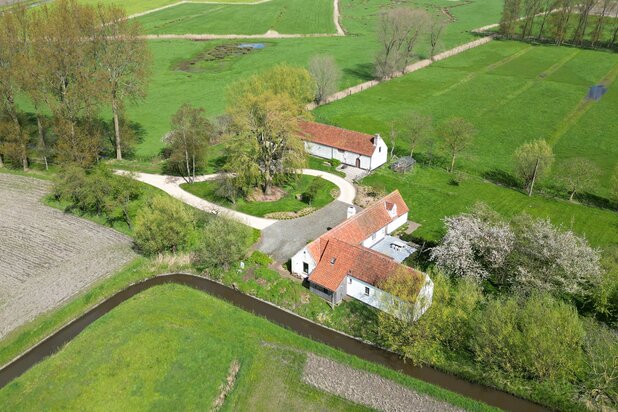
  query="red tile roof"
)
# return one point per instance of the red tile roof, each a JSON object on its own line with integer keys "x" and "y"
{"x": 357, "y": 261}
{"x": 362, "y": 225}
{"x": 337, "y": 137}
{"x": 339, "y": 252}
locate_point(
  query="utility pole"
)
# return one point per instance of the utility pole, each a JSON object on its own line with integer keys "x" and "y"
{"x": 536, "y": 168}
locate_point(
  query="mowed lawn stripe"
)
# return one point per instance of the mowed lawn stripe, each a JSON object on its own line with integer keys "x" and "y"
{"x": 284, "y": 16}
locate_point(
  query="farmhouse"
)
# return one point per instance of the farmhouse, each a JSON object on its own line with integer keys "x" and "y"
{"x": 352, "y": 148}
{"x": 356, "y": 256}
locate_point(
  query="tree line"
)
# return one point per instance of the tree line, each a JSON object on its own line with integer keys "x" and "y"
{"x": 60, "y": 65}
{"x": 591, "y": 23}
{"x": 502, "y": 291}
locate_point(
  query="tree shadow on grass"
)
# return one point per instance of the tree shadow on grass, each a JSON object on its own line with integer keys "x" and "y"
{"x": 363, "y": 71}
{"x": 502, "y": 178}
{"x": 591, "y": 199}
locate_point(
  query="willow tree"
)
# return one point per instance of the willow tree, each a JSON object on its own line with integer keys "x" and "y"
{"x": 264, "y": 109}
{"x": 265, "y": 146}
{"x": 123, "y": 61}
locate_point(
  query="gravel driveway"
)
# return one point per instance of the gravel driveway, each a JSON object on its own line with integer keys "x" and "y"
{"x": 367, "y": 388}
{"x": 286, "y": 237}
{"x": 47, "y": 256}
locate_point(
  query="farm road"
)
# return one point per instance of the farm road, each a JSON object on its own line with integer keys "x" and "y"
{"x": 47, "y": 256}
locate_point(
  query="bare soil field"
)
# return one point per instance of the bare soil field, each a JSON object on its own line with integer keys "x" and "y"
{"x": 47, "y": 256}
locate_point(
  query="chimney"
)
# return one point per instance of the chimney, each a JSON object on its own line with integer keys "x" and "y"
{"x": 375, "y": 139}
{"x": 351, "y": 211}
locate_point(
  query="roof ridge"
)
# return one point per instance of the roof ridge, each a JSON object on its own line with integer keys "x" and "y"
{"x": 338, "y": 127}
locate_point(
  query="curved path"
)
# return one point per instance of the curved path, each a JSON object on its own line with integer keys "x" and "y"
{"x": 171, "y": 185}
{"x": 287, "y": 319}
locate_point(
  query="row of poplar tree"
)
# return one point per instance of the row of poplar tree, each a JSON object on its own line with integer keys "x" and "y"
{"x": 592, "y": 23}
{"x": 60, "y": 66}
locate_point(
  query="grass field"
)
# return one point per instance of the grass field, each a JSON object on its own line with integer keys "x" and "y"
{"x": 283, "y": 16}
{"x": 289, "y": 203}
{"x": 140, "y": 6}
{"x": 431, "y": 195}
{"x": 513, "y": 93}
{"x": 170, "y": 348}
{"x": 205, "y": 84}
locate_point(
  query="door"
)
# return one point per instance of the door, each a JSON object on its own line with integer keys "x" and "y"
{"x": 358, "y": 162}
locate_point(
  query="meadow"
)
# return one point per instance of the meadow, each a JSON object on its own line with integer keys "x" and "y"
{"x": 204, "y": 85}
{"x": 283, "y": 16}
{"x": 171, "y": 348}
{"x": 141, "y": 6}
{"x": 513, "y": 93}
{"x": 431, "y": 194}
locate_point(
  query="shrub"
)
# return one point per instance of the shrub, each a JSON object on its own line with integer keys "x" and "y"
{"x": 165, "y": 225}
{"x": 519, "y": 336}
{"x": 444, "y": 327}
{"x": 223, "y": 242}
{"x": 261, "y": 259}
{"x": 313, "y": 189}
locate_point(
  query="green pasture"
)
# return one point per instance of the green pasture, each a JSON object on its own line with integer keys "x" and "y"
{"x": 513, "y": 93}
{"x": 140, "y": 6}
{"x": 291, "y": 202}
{"x": 171, "y": 347}
{"x": 283, "y": 16}
{"x": 431, "y": 194}
{"x": 204, "y": 84}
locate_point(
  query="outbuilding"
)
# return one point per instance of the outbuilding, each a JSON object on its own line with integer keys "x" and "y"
{"x": 351, "y": 148}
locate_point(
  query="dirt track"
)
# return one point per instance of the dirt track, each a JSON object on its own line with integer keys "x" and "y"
{"x": 47, "y": 256}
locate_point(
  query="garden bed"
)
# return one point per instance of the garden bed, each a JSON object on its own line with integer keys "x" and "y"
{"x": 292, "y": 202}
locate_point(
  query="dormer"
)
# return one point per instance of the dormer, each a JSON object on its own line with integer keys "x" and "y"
{"x": 391, "y": 208}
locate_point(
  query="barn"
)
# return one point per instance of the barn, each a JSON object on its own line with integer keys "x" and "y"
{"x": 351, "y": 148}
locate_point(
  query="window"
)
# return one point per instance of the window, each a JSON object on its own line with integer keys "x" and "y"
{"x": 373, "y": 237}
{"x": 380, "y": 149}
{"x": 305, "y": 267}
{"x": 366, "y": 291}
{"x": 340, "y": 150}
{"x": 333, "y": 260}
{"x": 349, "y": 280}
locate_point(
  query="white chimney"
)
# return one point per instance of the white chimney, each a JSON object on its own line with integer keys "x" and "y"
{"x": 375, "y": 139}
{"x": 351, "y": 211}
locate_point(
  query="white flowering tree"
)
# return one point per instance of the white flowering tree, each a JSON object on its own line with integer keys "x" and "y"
{"x": 473, "y": 247}
{"x": 529, "y": 254}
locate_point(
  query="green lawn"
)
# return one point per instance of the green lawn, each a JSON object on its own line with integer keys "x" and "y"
{"x": 431, "y": 196}
{"x": 170, "y": 348}
{"x": 513, "y": 93}
{"x": 289, "y": 203}
{"x": 205, "y": 83}
{"x": 283, "y": 16}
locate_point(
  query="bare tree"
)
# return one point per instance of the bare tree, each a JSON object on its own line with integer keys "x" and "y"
{"x": 398, "y": 33}
{"x": 188, "y": 141}
{"x": 12, "y": 52}
{"x": 532, "y": 161}
{"x": 417, "y": 128}
{"x": 531, "y": 9}
{"x": 510, "y": 16}
{"x": 584, "y": 7}
{"x": 578, "y": 174}
{"x": 326, "y": 75}
{"x": 456, "y": 133}
{"x": 123, "y": 59}
{"x": 606, "y": 8}
{"x": 435, "y": 32}
{"x": 561, "y": 18}
{"x": 63, "y": 47}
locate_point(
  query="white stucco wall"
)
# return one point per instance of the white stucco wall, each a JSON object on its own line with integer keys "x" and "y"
{"x": 379, "y": 235}
{"x": 397, "y": 223}
{"x": 356, "y": 289}
{"x": 425, "y": 298}
{"x": 297, "y": 260}
{"x": 345, "y": 157}
{"x": 319, "y": 150}
{"x": 380, "y": 155}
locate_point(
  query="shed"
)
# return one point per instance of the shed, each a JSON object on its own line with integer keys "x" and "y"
{"x": 404, "y": 164}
